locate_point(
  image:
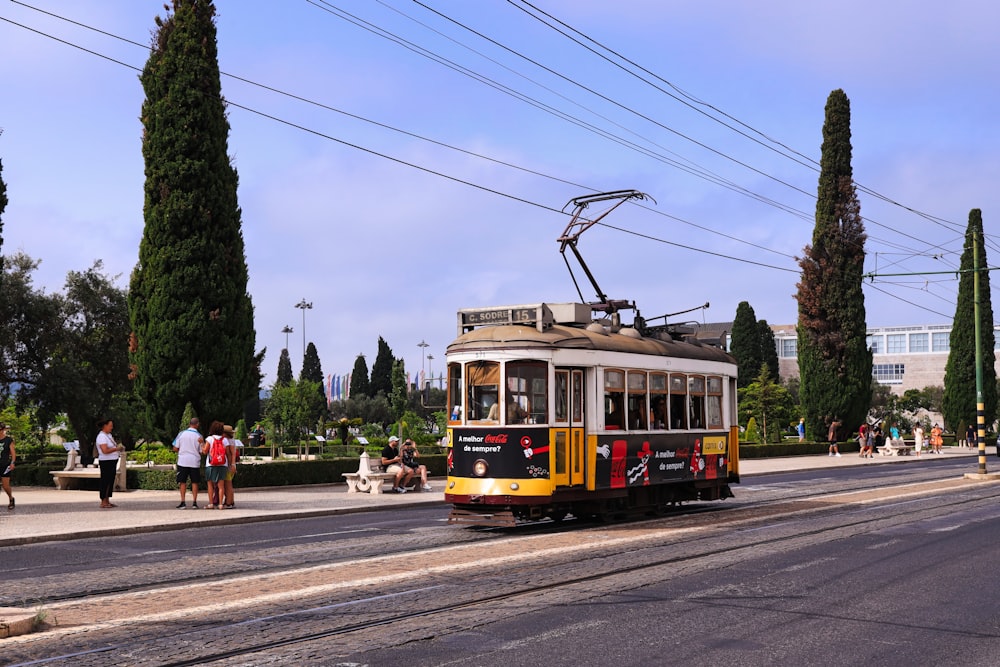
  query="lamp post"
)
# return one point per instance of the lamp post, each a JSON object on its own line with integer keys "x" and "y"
{"x": 287, "y": 330}
{"x": 423, "y": 345}
{"x": 304, "y": 305}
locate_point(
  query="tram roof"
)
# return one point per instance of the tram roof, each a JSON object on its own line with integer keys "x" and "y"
{"x": 560, "y": 336}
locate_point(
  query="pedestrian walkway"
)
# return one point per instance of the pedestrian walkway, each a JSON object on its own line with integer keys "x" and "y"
{"x": 44, "y": 513}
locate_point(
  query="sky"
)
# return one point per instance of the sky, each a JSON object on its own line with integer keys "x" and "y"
{"x": 401, "y": 160}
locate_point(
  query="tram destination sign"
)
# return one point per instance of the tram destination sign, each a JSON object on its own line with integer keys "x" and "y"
{"x": 477, "y": 317}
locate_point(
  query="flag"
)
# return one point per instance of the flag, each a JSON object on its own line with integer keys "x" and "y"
{"x": 328, "y": 387}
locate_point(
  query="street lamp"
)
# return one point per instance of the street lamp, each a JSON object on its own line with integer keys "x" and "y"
{"x": 287, "y": 330}
{"x": 422, "y": 345}
{"x": 304, "y": 305}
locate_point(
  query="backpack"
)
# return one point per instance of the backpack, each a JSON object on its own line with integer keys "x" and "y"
{"x": 217, "y": 451}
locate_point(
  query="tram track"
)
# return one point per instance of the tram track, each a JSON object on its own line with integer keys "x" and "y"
{"x": 612, "y": 550}
{"x": 279, "y": 559}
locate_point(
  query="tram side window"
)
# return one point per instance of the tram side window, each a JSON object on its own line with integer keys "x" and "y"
{"x": 483, "y": 383}
{"x": 562, "y": 397}
{"x": 527, "y": 392}
{"x": 614, "y": 399}
{"x": 696, "y": 396}
{"x": 678, "y": 402}
{"x": 455, "y": 392}
{"x": 636, "y": 400}
{"x": 713, "y": 404}
{"x": 657, "y": 401}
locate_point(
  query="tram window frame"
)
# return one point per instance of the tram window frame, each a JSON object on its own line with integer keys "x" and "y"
{"x": 482, "y": 389}
{"x": 713, "y": 402}
{"x": 658, "y": 400}
{"x": 636, "y": 383}
{"x": 614, "y": 399}
{"x": 527, "y": 388}
{"x": 696, "y": 401}
{"x": 455, "y": 393}
{"x": 678, "y": 410}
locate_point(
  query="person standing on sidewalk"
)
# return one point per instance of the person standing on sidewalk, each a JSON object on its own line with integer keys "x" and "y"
{"x": 971, "y": 437}
{"x": 187, "y": 444}
{"x": 801, "y": 429}
{"x": 229, "y": 433}
{"x": 832, "y": 436}
{"x": 108, "y": 453}
{"x": 936, "y": 439}
{"x": 918, "y": 438}
{"x": 215, "y": 471}
{"x": 7, "y": 458}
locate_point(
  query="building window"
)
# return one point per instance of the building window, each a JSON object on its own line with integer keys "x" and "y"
{"x": 918, "y": 342}
{"x": 789, "y": 348}
{"x": 895, "y": 344}
{"x": 888, "y": 373}
{"x": 940, "y": 342}
{"x": 876, "y": 344}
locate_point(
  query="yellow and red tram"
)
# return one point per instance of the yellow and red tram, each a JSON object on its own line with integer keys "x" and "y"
{"x": 553, "y": 412}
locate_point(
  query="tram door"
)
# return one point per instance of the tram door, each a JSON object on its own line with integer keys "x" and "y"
{"x": 568, "y": 434}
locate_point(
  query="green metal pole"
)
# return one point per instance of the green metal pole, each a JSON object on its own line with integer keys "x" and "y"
{"x": 980, "y": 407}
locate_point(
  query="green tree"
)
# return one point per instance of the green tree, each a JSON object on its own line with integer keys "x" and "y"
{"x": 835, "y": 364}
{"x": 768, "y": 350}
{"x": 31, "y": 331}
{"x": 284, "y": 377}
{"x": 381, "y": 379}
{"x": 360, "y": 386}
{"x": 399, "y": 396}
{"x": 959, "y": 404}
{"x": 745, "y": 345}
{"x": 290, "y": 410}
{"x": 768, "y": 404}
{"x": 188, "y": 303}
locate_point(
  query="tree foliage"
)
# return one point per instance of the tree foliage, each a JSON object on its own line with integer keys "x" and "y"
{"x": 835, "y": 364}
{"x": 398, "y": 399}
{"x": 88, "y": 368}
{"x": 3, "y": 206}
{"x": 745, "y": 345}
{"x": 959, "y": 404}
{"x": 189, "y": 309}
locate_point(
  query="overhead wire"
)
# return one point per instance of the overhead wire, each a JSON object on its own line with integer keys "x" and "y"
{"x": 303, "y": 128}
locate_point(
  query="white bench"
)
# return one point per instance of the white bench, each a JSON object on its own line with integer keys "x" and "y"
{"x": 74, "y": 470}
{"x": 370, "y": 477}
{"x": 895, "y": 448}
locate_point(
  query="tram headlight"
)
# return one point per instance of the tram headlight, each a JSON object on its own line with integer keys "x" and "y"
{"x": 479, "y": 468}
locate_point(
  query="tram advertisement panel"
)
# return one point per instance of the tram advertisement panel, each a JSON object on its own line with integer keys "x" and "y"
{"x": 520, "y": 453}
{"x": 640, "y": 460}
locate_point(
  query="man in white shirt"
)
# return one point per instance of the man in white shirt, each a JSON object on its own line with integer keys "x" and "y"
{"x": 188, "y": 444}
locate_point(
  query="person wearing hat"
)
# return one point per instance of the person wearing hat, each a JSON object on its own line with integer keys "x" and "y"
{"x": 7, "y": 458}
{"x": 392, "y": 461}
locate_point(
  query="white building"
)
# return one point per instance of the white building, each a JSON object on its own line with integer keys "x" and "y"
{"x": 911, "y": 357}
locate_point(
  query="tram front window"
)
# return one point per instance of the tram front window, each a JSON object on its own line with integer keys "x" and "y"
{"x": 527, "y": 392}
{"x": 483, "y": 385}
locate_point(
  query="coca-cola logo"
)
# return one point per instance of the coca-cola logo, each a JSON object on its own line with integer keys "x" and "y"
{"x": 496, "y": 439}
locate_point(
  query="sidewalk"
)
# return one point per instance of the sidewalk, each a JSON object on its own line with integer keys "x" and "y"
{"x": 44, "y": 513}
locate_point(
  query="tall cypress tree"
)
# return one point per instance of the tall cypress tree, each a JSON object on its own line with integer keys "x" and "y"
{"x": 285, "y": 376}
{"x": 360, "y": 386}
{"x": 381, "y": 379}
{"x": 188, "y": 303}
{"x": 835, "y": 364}
{"x": 311, "y": 368}
{"x": 959, "y": 404}
{"x": 745, "y": 345}
{"x": 768, "y": 350}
